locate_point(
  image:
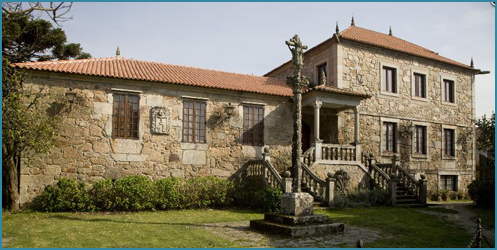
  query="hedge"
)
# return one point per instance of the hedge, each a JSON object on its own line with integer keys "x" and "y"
{"x": 139, "y": 193}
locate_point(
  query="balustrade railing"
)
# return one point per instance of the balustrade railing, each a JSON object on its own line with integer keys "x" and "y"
{"x": 309, "y": 156}
{"x": 404, "y": 178}
{"x": 379, "y": 177}
{"x": 265, "y": 170}
{"x": 337, "y": 152}
{"x": 316, "y": 187}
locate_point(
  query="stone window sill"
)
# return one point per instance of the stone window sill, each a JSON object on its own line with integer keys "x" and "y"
{"x": 386, "y": 93}
{"x": 388, "y": 154}
{"x": 421, "y": 99}
{"x": 420, "y": 156}
{"x": 449, "y": 158}
{"x": 453, "y": 104}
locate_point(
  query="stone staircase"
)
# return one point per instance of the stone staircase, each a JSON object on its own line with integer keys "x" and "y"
{"x": 408, "y": 191}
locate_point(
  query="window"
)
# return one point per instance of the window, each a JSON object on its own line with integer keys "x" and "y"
{"x": 194, "y": 121}
{"x": 253, "y": 125}
{"x": 389, "y": 137}
{"x": 419, "y": 85}
{"x": 389, "y": 79}
{"x": 449, "y": 143}
{"x": 448, "y": 91}
{"x": 448, "y": 182}
{"x": 420, "y": 139}
{"x": 125, "y": 116}
{"x": 322, "y": 74}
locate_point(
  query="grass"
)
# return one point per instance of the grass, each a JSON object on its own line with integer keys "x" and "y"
{"x": 119, "y": 230}
{"x": 439, "y": 210}
{"x": 487, "y": 216}
{"x": 404, "y": 227}
{"x": 399, "y": 227}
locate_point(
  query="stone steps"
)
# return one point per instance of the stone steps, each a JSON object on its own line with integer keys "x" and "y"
{"x": 297, "y": 226}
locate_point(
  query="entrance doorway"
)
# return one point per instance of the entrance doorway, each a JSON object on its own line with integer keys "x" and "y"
{"x": 306, "y": 136}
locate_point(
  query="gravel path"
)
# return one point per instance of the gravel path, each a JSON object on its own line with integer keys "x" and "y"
{"x": 241, "y": 233}
{"x": 463, "y": 218}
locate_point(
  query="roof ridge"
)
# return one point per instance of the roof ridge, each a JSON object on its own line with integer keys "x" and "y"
{"x": 377, "y": 32}
{"x": 66, "y": 61}
{"x": 192, "y": 67}
{"x": 131, "y": 59}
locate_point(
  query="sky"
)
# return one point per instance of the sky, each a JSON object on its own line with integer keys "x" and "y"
{"x": 249, "y": 38}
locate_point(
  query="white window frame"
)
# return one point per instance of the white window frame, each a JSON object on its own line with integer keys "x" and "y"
{"x": 445, "y": 157}
{"x": 442, "y": 88}
{"x": 397, "y": 122}
{"x": 413, "y": 85}
{"x": 427, "y": 139}
{"x": 397, "y": 79}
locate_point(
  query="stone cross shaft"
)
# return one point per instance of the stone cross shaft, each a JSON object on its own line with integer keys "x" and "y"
{"x": 298, "y": 83}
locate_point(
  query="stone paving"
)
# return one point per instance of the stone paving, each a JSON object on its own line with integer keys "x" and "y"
{"x": 241, "y": 233}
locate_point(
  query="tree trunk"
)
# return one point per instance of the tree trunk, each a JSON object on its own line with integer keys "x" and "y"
{"x": 11, "y": 177}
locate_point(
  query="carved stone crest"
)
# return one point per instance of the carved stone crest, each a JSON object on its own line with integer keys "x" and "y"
{"x": 160, "y": 120}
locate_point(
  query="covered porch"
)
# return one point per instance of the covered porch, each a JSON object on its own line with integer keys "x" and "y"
{"x": 324, "y": 137}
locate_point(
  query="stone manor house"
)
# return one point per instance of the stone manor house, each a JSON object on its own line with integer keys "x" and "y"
{"x": 370, "y": 93}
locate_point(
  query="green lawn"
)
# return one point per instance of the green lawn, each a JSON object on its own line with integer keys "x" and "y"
{"x": 487, "y": 216}
{"x": 401, "y": 227}
{"x": 404, "y": 227}
{"x": 119, "y": 230}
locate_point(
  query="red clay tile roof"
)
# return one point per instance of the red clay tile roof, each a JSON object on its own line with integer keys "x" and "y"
{"x": 386, "y": 41}
{"x": 122, "y": 68}
{"x": 333, "y": 90}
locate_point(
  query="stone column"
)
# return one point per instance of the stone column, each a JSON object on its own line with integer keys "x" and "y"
{"x": 330, "y": 190}
{"x": 423, "y": 192}
{"x": 266, "y": 155}
{"x": 287, "y": 182}
{"x": 317, "y": 142}
{"x": 392, "y": 188}
{"x": 297, "y": 139}
{"x": 356, "y": 125}
{"x": 317, "y": 106}
{"x": 370, "y": 170}
{"x": 395, "y": 159}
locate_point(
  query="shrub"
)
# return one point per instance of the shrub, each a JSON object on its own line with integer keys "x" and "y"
{"x": 138, "y": 193}
{"x": 132, "y": 193}
{"x": 482, "y": 192}
{"x": 66, "y": 195}
{"x": 167, "y": 194}
{"x": 253, "y": 193}
{"x": 363, "y": 198}
{"x": 102, "y": 195}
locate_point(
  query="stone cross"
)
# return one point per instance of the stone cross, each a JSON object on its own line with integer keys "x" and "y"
{"x": 297, "y": 54}
{"x": 298, "y": 83}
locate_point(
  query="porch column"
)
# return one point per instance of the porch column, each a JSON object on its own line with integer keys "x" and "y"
{"x": 317, "y": 142}
{"x": 356, "y": 135}
{"x": 317, "y": 106}
{"x": 356, "y": 126}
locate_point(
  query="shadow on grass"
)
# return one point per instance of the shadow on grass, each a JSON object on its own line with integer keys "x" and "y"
{"x": 99, "y": 220}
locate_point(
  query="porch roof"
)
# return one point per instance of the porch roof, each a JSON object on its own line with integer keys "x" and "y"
{"x": 331, "y": 97}
{"x": 333, "y": 90}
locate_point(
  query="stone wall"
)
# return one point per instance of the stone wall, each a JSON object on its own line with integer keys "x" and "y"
{"x": 358, "y": 177}
{"x": 312, "y": 59}
{"x": 85, "y": 149}
{"x": 361, "y": 72}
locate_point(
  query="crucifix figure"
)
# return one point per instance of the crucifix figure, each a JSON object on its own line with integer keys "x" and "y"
{"x": 297, "y": 54}
{"x": 298, "y": 83}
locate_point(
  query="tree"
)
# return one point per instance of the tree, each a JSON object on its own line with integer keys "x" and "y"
{"x": 26, "y": 126}
{"x": 486, "y": 137}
